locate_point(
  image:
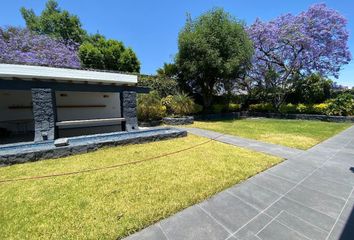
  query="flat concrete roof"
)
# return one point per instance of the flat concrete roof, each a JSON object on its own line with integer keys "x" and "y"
{"x": 28, "y": 72}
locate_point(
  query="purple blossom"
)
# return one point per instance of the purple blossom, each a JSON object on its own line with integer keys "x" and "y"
{"x": 315, "y": 41}
{"x": 19, "y": 45}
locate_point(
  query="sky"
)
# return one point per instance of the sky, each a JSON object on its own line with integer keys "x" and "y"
{"x": 151, "y": 27}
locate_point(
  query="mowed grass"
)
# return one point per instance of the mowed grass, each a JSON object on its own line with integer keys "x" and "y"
{"x": 301, "y": 134}
{"x": 113, "y": 203}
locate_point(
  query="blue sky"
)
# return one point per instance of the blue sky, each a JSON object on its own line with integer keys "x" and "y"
{"x": 151, "y": 27}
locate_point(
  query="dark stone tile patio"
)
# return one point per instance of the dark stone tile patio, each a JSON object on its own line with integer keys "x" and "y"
{"x": 308, "y": 196}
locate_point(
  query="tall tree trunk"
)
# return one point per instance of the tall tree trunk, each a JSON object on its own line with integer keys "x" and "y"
{"x": 207, "y": 100}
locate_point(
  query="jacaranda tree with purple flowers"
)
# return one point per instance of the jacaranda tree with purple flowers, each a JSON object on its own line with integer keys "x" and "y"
{"x": 292, "y": 46}
{"x": 18, "y": 45}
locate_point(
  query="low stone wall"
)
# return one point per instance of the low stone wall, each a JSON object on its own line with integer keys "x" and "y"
{"x": 303, "y": 117}
{"x": 22, "y": 153}
{"x": 236, "y": 115}
{"x": 153, "y": 123}
{"x": 218, "y": 116}
{"x": 178, "y": 120}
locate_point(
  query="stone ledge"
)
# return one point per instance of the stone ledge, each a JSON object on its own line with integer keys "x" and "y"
{"x": 178, "y": 120}
{"x": 79, "y": 145}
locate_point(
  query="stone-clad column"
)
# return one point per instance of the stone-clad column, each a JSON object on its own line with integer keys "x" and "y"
{"x": 128, "y": 103}
{"x": 44, "y": 113}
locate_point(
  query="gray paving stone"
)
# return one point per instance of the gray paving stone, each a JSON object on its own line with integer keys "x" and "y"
{"x": 348, "y": 149}
{"x": 287, "y": 172}
{"x": 253, "y": 227}
{"x": 342, "y": 231}
{"x": 313, "y": 157}
{"x": 233, "y": 238}
{"x": 229, "y": 210}
{"x": 325, "y": 177}
{"x": 234, "y": 141}
{"x": 194, "y": 224}
{"x": 253, "y": 237}
{"x": 277, "y": 231}
{"x": 329, "y": 187}
{"x": 316, "y": 200}
{"x": 274, "y": 149}
{"x": 347, "y": 158}
{"x": 301, "y": 226}
{"x": 333, "y": 173}
{"x": 276, "y": 184}
{"x": 302, "y": 165}
{"x": 255, "y": 195}
{"x": 312, "y": 216}
{"x": 347, "y": 215}
{"x": 151, "y": 233}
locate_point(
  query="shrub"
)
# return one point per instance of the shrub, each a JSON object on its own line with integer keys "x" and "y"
{"x": 288, "y": 108}
{"x": 261, "y": 107}
{"x": 302, "y": 108}
{"x": 320, "y": 108}
{"x": 167, "y": 102}
{"x": 181, "y": 104}
{"x": 342, "y": 105}
{"x": 218, "y": 108}
{"x": 150, "y": 107}
{"x": 233, "y": 107}
{"x": 198, "y": 108}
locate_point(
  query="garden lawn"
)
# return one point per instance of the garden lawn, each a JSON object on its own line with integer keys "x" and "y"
{"x": 113, "y": 203}
{"x": 301, "y": 134}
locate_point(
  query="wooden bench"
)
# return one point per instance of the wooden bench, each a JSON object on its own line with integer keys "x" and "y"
{"x": 89, "y": 123}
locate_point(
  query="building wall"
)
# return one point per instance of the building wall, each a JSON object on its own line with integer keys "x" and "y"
{"x": 20, "y": 119}
{"x": 88, "y": 106}
{"x": 109, "y": 105}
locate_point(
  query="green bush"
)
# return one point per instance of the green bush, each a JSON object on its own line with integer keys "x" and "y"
{"x": 321, "y": 108}
{"x": 150, "y": 107}
{"x": 218, "y": 108}
{"x": 167, "y": 102}
{"x": 342, "y": 105}
{"x": 198, "y": 108}
{"x": 181, "y": 104}
{"x": 234, "y": 107}
{"x": 261, "y": 107}
{"x": 288, "y": 108}
{"x": 231, "y": 107}
{"x": 302, "y": 108}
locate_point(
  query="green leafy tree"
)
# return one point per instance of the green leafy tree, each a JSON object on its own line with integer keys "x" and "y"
{"x": 100, "y": 53}
{"x": 162, "y": 85}
{"x": 55, "y": 22}
{"x": 168, "y": 70}
{"x": 214, "y": 49}
{"x": 311, "y": 89}
{"x": 91, "y": 56}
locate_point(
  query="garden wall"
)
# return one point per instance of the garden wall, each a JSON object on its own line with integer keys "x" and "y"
{"x": 236, "y": 115}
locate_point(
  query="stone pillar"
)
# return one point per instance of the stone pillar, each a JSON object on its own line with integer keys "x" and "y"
{"x": 128, "y": 104}
{"x": 44, "y": 113}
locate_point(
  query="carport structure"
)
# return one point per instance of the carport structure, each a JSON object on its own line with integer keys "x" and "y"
{"x": 57, "y": 102}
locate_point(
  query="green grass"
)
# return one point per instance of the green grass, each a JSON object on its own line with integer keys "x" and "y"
{"x": 301, "y": 134}
{"x": 114, "y": 203}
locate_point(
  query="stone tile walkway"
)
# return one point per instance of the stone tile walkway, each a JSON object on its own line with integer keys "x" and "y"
{"x": 273, "y": 149}
{"x": 309, "y": 196}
